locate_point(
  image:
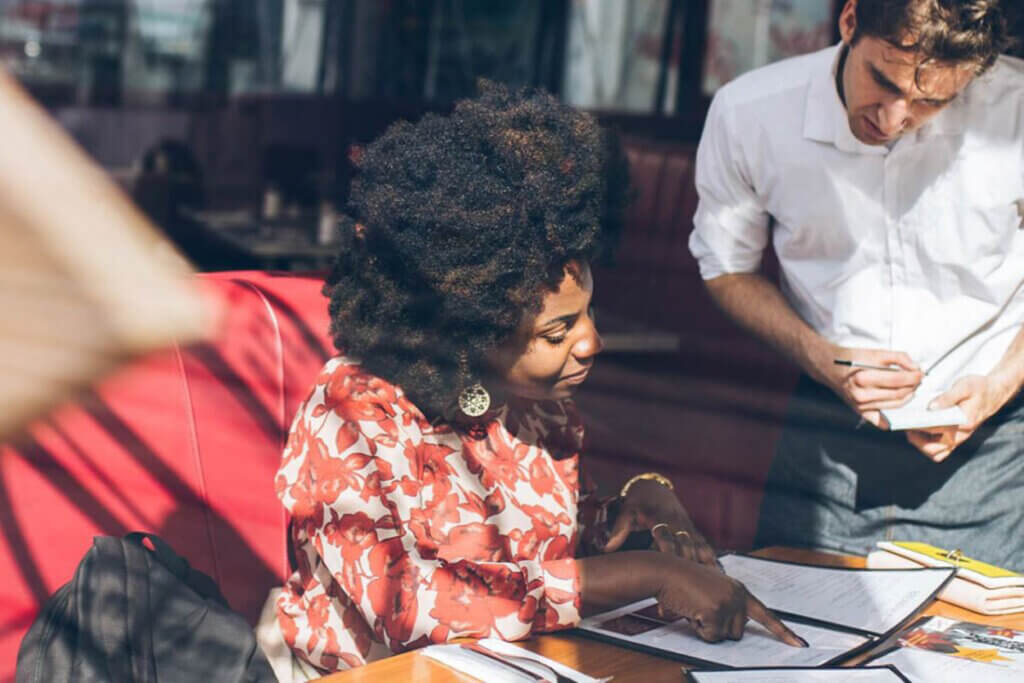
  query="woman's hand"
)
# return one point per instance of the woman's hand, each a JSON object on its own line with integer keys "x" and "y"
{"x": 650, "y": 506}
{"x": 716, "y": 606}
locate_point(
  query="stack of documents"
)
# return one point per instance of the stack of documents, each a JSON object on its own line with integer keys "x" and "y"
{"x": 978, "y": 586}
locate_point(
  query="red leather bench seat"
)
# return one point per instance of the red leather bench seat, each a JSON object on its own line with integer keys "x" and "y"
{"x": 184, "y": 443}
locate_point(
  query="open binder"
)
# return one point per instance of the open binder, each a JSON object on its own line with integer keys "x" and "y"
{"x": 840, "y": 612}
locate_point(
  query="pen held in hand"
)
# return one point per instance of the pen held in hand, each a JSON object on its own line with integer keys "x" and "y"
{"x": 865, "y": 366}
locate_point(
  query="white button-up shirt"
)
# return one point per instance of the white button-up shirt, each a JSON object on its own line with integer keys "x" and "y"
{"x": 914, "y": 248}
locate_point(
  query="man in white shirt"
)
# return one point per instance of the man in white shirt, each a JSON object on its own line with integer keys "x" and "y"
{"x": 889, "y": 174}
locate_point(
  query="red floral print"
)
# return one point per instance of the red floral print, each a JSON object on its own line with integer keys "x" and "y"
{"x": 408, "y": 534}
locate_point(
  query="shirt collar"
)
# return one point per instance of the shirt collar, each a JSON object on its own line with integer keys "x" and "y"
{"x": 825, "y": 118}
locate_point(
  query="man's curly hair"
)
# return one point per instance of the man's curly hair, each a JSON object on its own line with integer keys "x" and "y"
{"x": 949, "y": 31}
{"x": 456, "y": 227}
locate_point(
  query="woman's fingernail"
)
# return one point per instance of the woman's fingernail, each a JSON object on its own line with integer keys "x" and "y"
{"x": 805, "y": 643}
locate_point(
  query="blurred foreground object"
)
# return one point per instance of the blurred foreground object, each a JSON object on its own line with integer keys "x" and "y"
{"x": 85, "y": 280}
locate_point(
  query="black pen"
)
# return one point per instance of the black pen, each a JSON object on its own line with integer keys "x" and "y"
{"x": 864, "y": 366}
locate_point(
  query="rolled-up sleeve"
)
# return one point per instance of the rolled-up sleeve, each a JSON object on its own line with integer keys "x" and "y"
{"x": 730, "y": 226}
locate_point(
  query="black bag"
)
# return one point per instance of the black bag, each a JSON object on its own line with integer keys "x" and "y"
{"x": 131, "y": 614}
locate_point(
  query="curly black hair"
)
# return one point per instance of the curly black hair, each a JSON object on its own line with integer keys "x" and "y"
{"x": 458, "y": 224}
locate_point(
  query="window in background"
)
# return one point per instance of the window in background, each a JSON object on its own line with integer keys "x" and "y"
{"x": 164, "y": 57}
{"x": 745, "y": 34}
{"x": 615, "y": 55}
{"x": 106, "y": 52}
{"x": 39, "y": 45}
{"x": 381, "y": 51}
{"x": 468, "y": 40}
{"x": 302, "y": 31}
{"x": 435, "y": 51}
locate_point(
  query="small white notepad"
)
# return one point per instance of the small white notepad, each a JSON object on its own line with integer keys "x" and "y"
{"x": 910, "y": 417}
{"x": 915, "y": 414}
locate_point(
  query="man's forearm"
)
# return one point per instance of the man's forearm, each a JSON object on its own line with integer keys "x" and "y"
{"x": 758, "y": 305}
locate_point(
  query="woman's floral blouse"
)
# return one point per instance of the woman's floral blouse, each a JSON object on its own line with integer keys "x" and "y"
{"x": 407, "y": 534}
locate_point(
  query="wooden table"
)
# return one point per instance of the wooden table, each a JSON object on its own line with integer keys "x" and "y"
{"x": 601, "y": 659}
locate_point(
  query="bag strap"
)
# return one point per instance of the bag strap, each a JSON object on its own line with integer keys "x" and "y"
{"x": 139, "y": 635}
{"x": 179, "y": 566}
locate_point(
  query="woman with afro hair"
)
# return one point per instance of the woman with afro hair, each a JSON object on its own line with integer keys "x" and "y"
{"x": 433, "y": 473}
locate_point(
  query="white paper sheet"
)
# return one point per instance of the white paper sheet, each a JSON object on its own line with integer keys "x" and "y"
{"x": 921, "y": 666}
{"x": 871, "y": 600}
{"x": 505, "y": 648}
{"x": 472, "y": 664}
{"x": 758, "y": 647}
{"x": 483, "y": 668}
{"x": 875, "y": 674}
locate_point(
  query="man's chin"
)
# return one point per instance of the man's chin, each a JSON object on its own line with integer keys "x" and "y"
{"x": 868, "y": 136}
{"x": 869, "y": 139}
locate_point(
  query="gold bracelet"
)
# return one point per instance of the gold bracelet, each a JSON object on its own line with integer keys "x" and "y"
{"x": 660, "y": 478}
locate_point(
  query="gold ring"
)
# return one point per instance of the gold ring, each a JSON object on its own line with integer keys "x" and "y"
{"x": 683, "y": 533}
{"x": 656, "y": 526}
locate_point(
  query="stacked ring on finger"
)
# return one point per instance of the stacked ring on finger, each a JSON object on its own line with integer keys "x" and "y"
{"x": 683, "y": 533}
{"x": 658, "y": 525}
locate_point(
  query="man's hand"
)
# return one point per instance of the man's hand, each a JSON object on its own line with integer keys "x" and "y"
{"x": 865, "y": 390}
{"x": 648, "y": 505}
{"x": 980, "y": 398}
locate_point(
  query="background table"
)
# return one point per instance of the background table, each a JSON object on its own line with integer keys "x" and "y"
{"x": 287, "y": 242}
{"x": 600, "y": 659}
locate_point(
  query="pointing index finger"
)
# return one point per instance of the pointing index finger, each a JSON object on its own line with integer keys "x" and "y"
{"x": 762, "y": 615}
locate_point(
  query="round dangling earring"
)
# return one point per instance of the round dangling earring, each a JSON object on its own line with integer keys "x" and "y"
{"x": 474, "y": 400}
